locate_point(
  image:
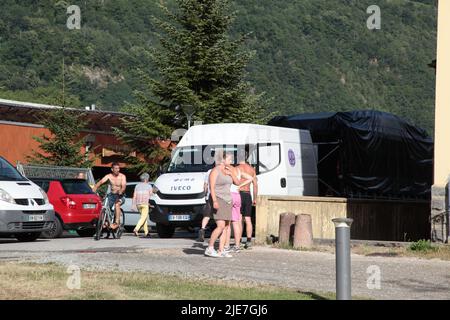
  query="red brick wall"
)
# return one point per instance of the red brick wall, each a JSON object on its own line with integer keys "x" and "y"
{"x": 17, "y": 143}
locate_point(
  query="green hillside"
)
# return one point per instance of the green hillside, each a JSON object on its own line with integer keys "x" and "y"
{"x": 311, "y": 55}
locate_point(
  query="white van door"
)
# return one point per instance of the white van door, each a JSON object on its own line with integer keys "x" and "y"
{"x": 291, "y": 156}
{"x": 301, "y": 166}
{"x": 270, "y": 169}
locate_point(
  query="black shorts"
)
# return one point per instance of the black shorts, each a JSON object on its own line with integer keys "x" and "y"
{"x": 114, "y": 197}
{"x": 246, "y": 204}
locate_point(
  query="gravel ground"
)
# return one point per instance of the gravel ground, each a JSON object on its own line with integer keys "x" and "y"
{"x": 401, "y": 278}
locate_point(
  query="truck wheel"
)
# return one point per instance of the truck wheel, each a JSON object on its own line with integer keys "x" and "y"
{"x": 28, "y": 236}
{"x": 56, "y": 230}
{"x": 86, "y": 232}
{"x": 165, "y": 231}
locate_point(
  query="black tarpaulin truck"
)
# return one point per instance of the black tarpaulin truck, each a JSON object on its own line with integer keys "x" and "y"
{"x": 368, "y": 154}
{"x": 379, "y": 164}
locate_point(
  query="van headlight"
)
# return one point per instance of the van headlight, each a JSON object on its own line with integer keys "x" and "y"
{"x": 155, "y": 190}
{"x": 45, "y": 196}
{"x": 5, "y": 196}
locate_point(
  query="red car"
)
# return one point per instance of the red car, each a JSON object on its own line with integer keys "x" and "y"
{"x": 77, "y": 207}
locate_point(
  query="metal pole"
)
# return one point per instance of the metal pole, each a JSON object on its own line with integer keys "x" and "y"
{"x": 343, "y": 261}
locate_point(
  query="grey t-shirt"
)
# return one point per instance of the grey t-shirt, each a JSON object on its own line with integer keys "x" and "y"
{"x": 142, "y": 191}
{"x": 223, "y": 184}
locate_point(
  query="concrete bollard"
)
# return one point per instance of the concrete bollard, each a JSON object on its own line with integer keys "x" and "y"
{"x": 303, "y": 236}
{"x": 343, "y": 259}
{"x": 287, "y": 225}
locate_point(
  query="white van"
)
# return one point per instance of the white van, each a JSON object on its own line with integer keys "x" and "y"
{"x": 285, "y": 161}
{"x": 25, "y": 211}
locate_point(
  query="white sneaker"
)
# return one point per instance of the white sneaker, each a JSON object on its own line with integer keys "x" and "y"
{"x": 225, "y": 254}
{"x": 211, "y": 253}
{"x": 226, "y": 249}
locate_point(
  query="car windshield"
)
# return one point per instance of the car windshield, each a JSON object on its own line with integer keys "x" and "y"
{"x": 8, "y": 172}
{"x": 76, "y": 186}
{"x": 196, "y": 158}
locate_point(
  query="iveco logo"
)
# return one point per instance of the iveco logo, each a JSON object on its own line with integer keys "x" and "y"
{"x": 180, "y": 188}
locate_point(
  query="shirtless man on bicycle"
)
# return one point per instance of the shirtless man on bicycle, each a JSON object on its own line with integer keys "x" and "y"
{"x": 118, "y": 183}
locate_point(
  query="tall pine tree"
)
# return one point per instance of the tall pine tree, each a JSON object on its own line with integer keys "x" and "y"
{"x": 200, "y": 65}
{"x": 197, "y": 65}
{"x": 62, "y": 147}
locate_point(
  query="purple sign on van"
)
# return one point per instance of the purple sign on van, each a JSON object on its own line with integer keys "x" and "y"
{"x": 291, "y": 157}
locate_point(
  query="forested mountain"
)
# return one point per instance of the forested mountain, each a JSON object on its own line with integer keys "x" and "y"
{"x": 311, "y": 55}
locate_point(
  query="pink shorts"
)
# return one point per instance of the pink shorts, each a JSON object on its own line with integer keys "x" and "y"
{"x": 236, "y": 210}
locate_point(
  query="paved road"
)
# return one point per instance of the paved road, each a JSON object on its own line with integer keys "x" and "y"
{"x": 401, "y": 278}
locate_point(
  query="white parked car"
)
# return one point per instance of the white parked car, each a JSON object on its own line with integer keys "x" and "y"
{"x": 132, "y": 217}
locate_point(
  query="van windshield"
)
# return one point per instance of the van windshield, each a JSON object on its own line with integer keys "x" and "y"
{"x": 199, "y": 158}
{"x": 190, "y": 159}
{"x": 8, "y": 172}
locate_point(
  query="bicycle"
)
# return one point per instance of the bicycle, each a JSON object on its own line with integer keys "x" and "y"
{"x": 105, "y": 219}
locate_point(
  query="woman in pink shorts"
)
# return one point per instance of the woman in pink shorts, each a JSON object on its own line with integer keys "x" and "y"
{"x": 236, "y": 216}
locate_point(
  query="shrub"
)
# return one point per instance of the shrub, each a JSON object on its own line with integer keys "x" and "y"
{"x": 422, "y": 245}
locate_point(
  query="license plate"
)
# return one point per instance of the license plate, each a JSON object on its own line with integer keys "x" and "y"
{"x": 179, "y": 217}
{"x": 36, "y": 218}
{"x": 89, "y": 205}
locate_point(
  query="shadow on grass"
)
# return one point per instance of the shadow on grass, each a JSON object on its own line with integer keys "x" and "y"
{"x": 197, "y": 248}
{"x": 194, "y": 251}
{"x": 14, "y": 240}
{"x": 314, "y": 296}
{"x": 382, "y": 254}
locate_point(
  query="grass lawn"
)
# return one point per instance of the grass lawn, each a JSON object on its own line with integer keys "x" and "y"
{"x": 37, "y": 281}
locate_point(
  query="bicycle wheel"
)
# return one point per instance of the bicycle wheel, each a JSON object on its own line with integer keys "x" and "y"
{"x": 100, "y": 223}
{"x": 117, "y": 233}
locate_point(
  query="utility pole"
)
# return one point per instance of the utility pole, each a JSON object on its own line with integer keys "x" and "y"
{"x": 343, "y": 258}
{"x": 188, "y": 110}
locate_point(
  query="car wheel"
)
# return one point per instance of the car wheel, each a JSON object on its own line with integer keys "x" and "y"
{"x": 28, "y": 236}
{"x": 56, "y": 230}
{"x": 129, "y": 229}
{"x": 86, "y": 232}
{"x": 165, "y": 231}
